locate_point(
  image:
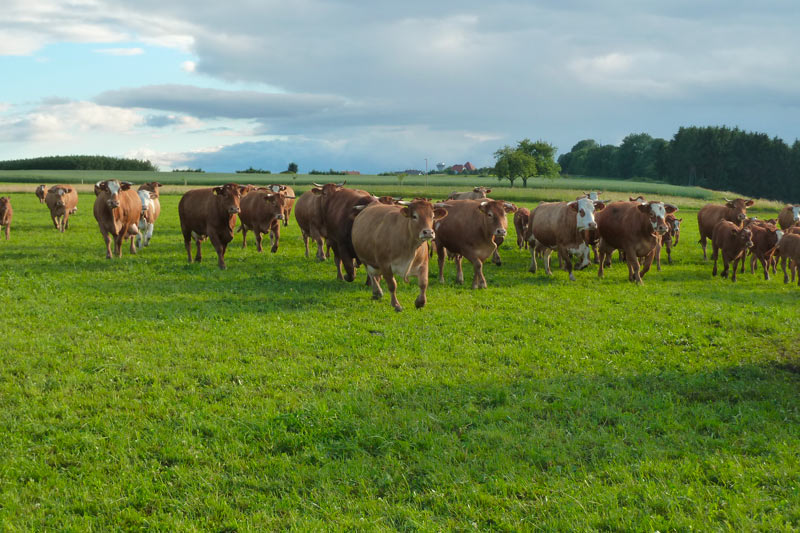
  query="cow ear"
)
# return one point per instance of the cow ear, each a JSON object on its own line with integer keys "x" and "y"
{"x": 124, "y": 186}
{"x": 509, "y": 207}
{"x": 644, "y": 208}
{"x": 68, "y": 190}
{"x": 670, "y": 208}
{"x": 218, "y": 190}
{"x": 484, "y": 207}
{"x": 599, "y": 206}
{"x": 748, "y": 203}
{"x": 439, "y": 213}
{"x": 488, "y": 191}
{"x": 573, "y": 206}
{"x": 157, "y": 184}
{"x": 316, "y": 190}
{"x": 730, "y": 204}
{"x": 406, "y": 211}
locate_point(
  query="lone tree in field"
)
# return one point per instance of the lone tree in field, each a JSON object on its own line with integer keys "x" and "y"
{"x": 529, "y": 159}
{"x": 292, "y": 169}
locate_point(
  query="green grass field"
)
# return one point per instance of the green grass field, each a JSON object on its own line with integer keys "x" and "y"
{"x": 148, "y": 393}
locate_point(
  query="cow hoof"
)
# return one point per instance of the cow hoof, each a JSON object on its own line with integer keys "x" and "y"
{"x": 274, "y": 249}
{"x": 419, "y": 304}
{"x": 398, "y": 308}
{"x": 348, "y": 278}
{"x": 377, "y": 296}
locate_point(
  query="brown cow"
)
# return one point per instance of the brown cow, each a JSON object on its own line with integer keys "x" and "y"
{"x": 469, "y": 231}
{"x": 62, "y": 200}
{"x": 632, "y": 227}
{"x": 393, "y": 240}
{"x": 564, "y": 227}
{"x": 211, "y": 213}
{"x": 117, "y": 209}
{"x": 151, "y": 210}
{"x": 789, "y": 249}
{"x": 765, "y": 240}
{"x": 734, "y": 242}
{"x": 262, "y": 211}
{"x": 733, "y": 211}
{"x": 669, "y": 240}
{"x": 789, "y": 216}
{"x": 288, "y": 194}
{"x": 6, "y": 214}
{"x": 521, "y": 218}
{"x": 475, "y": 194}
{"x": 308, "y": 213}
{"x": 338, "y": 214}
{"x": 41, "y": 193}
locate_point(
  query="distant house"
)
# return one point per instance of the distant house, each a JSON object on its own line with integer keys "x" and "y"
{"x": 352, "y": 172}
{"x": 413, "y": 172}
{"x": 457, "y": 168}
{"x": 469, "y": 166}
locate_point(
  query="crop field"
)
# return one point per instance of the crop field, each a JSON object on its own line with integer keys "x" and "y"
{"x": 149, "y": 393}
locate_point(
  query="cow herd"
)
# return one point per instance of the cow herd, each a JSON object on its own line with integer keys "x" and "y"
{"x": 392, "y": 237}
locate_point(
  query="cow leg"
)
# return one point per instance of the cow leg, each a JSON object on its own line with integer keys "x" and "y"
{"x": 601, "y": 268}
{"x": 765, "y": 266}
{"x": 8, "y": 229}
{"x": 133, "y": 245}
{"x": 149, "y": 234}
{"x": 657, "y": 257}
{"x": 391, "y": 283}
{"x": 138, "y": 240}
{"x": 633, "y": 265}
{"x": 422, "y": 281}
{"x": 187, "y": 242}
{"x": 55, "y": 224}
{"x": 107, "y": 240}
{"x": 725, "y": 266}
{"x": 440, "y": 256}
{"x": 198, "y": 257}
{"x": 714, "y": 255}
{"x": 275, "y": 235}
{"x": 744, "y": 255}
{"x": 753, "y": 263}
{"x": 337, "y": 260}
{"x": 736, "y": 265}
{"x": 648, "y": 261}
{"x": 259, "y": 238}
{"x": 244, "y": 236}
{"x": 534, "y": 267}
{"x": 566, "y": 260}
{"x": 669, "y": 254}
{"x": 546, "y": 253}
{"x": 496, "y": 257}
{"x": 286, "y": 215}
{"x": 374, "y": 279}
{"x": 595, "y": 257}
{"x": 65, "y": 221}
{"x": 220, "y": 249}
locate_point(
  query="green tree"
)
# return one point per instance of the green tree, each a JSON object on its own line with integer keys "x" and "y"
{"x": 512, "y": 163}
{"x": 292, "y": 169}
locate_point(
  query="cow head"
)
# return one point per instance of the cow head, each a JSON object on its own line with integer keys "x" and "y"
{"x": 592, "y": 195}
{"x": 422, "y": 215}
{"x": 795, "y": 213}
{"x": 743, "y": 236}
{"x": 41, "y": 192}
{"x": 275, "y": 203}
{"x": 389, "y": 200}
{"x": 228, "y": 197}
{"x": 585, "y": 209}
{"x": 152, "y": 186}
{"x": 112, "y": 188}
{"x": 60, "y": 192}
{"x": 326, "y": 190}
{"x": 276, "y": 188}
{"x": 483, "y": 191}
{"x": 657, "y": 212}
{"x": 495, "y": 220}
{"x": 5, "y": 202}
{"x": 737, "y": 209}
{"x": 674, "y": 228}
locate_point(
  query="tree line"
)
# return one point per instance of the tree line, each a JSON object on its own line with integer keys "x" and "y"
{"x": 715, "y": 157}
{"x": 78, "y": 162}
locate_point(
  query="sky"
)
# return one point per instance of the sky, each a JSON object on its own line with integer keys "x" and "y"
{"x": 383, "y": 86}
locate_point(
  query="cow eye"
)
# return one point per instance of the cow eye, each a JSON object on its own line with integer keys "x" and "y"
{"x": 415, "y": 216}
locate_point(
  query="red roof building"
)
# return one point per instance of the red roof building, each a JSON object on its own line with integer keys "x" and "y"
{"x": 458, "y": 168}
{"x": 469, "y": 166}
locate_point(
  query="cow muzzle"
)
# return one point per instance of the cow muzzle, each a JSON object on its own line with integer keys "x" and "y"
{"x": 742, "y": 216}
{"x": 500, "y": 232}
{"x": 234, "y": 211}
{"x": 280, "y": 216}
{"x": 427, "y": 234}
{"x": 113, "y": 204}
{"x": 662, "y": 229}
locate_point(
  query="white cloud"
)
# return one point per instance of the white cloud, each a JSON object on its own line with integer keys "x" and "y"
{"x": 120, "y": 51}
{"x": 188, "y": 66}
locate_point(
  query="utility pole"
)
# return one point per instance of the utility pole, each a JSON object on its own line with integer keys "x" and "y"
{"x": 426, "y": 171}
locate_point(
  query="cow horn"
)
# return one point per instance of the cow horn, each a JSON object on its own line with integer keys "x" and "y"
{"x": 359, "y": 207}
{"x": 98, "y": 183}
{"x": 341, "y": 184}
{"x": 403, "y": 202}
{"x": 315, "y": 184}
{"x": 726, "y": 200}
{"x": 125, "y": 183}
{"x": 508, "y": 204}
{"x": 441, "y": 204}
{"x": 484, "y": 203}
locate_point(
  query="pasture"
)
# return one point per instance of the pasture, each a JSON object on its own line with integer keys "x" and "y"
{"x": 148, "y": 393}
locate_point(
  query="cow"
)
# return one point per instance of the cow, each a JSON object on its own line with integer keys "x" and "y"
{"x": 669, "y": 240}
{"x": 475, "y": 194}
{"x": 151, "y": 209}
{"x": 765, "y": 240}
{"x": 469, "y": 231}
{"x": 521, "y": 218}
{"x": 117, "y": 209}
{"x": 261, "y": 212}
{"x": 392, "y": 240}
{"x": 789, "y": 216}
{"x": 41, "y": 193}
{"x": 308, "y": 214}
{"x": 289, "y": 196}
{"x": 338, "y": 213}
{"x": 789, "y": 249}
{"x": 635, "y": 228}
{"x": 209, "y": 212}
{"x": 6, "y": 214}
{"x": 562, "y": 226}
{"x": 62, "y": 200}
{"x": 733, "y": 211}
{"x": 734, "y": 241}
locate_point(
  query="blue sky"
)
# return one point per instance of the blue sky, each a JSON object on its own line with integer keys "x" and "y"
{"x": 382, "y": 86}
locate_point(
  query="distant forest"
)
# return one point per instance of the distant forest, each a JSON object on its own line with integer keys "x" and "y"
{"x": 77, "y": 162}
{"x": 751, "y": 164}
